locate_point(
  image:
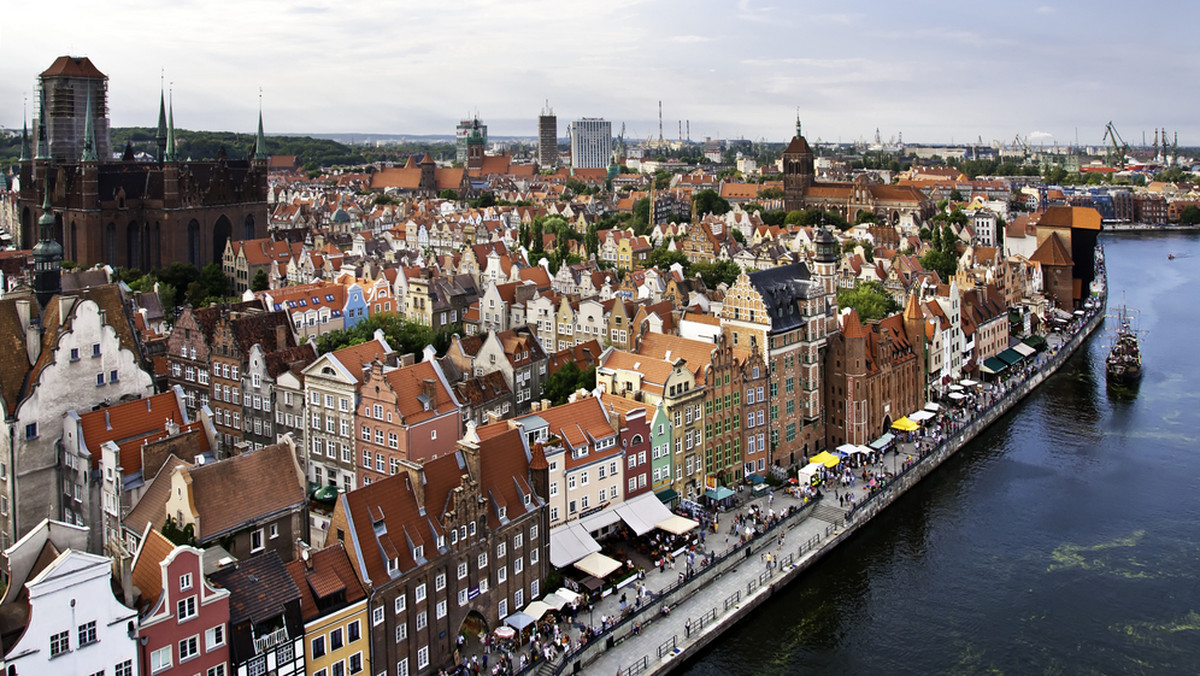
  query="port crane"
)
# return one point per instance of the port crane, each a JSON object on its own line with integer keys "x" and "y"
{"x": 1116, "y": 156}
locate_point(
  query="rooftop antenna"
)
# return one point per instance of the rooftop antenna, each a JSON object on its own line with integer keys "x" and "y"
{"x": 660, "y": 134}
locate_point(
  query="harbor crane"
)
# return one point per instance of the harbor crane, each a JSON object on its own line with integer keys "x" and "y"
{"x": 1116, "y": 156}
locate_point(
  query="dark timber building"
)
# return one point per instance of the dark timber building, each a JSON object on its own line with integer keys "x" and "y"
{"x": 128, "y": 213}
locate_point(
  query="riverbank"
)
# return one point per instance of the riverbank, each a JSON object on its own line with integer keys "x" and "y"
{"x": 701, "y": 609}
{"x": 1149, "y": 227}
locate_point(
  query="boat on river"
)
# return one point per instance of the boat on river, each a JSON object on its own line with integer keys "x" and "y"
{"x": 1124, "y": 362}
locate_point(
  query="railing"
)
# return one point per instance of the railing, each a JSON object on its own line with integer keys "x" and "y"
{"x": 667, "y": 646}
{"x": 637, "y": 667}
{"x": 733, "y": 599}
{"x": 269, "y": 641}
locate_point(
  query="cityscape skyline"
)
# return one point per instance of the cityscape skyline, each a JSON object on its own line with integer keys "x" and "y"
{"x": 932, "y": 74}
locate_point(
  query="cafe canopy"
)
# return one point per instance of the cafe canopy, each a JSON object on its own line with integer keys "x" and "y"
{"x": 920, "y": 416}
{"x": 992, "y": 366}
{"x": 906, "y": 425}
{"x": 597, "y": 565}
{"x": 677, "y": 525}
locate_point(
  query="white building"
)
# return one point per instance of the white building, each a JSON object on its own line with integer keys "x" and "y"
{"x": 591, "y": 143}
{"x": 75, "y": 624}
{"x": 80, "y": 352}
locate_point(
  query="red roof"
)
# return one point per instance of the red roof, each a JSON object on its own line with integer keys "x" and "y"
{"x": 130, "y": 425}
{"x": 72, "y": 66}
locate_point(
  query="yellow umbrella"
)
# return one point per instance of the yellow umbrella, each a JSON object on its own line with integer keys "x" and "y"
{"x": 906, "y": 425}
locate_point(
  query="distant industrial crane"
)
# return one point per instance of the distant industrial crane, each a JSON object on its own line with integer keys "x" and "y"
{"x": 1116, "y": 156}
{"x": 1018, "y": 142}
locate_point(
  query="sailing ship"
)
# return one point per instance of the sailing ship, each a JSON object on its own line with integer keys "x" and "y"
{"x": 1124, "y": 363}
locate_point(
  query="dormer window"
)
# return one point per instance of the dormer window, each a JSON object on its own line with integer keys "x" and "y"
{"x": 393, "y": 565}
{"x": 419, "y": 552}
{"x": 503, "y": 512}
{"x": 441, "y": 541}
{"x": 528, "y": 499}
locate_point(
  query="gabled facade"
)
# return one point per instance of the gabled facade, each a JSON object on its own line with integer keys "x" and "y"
{"x": 454, "y": 545}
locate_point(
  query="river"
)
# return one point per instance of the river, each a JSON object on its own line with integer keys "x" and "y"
{"x": 1063, "y": 540}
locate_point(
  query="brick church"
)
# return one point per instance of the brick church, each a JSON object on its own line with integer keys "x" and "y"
{"x": 128, "y": 212}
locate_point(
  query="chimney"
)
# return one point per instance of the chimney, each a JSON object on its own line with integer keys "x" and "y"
{"x": 492, "y": 417}
{"x": 281, "y": 336}
{"x": 429, "y": 390}
{"x": 535, "y": 406}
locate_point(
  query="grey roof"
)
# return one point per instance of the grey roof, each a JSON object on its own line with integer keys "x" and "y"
{"x": 782, "y": 288}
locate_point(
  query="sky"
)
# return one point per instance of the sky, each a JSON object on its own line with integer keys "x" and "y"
{"x": 930, "y": 71}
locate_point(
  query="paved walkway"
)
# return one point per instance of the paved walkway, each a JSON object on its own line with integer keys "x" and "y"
{"x": 703, "y": 608}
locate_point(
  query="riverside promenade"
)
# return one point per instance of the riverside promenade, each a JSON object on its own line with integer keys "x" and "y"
{"x": 703, "y": 599}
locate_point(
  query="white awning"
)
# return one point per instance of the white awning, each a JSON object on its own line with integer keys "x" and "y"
{"x": 956, "y": 396}
{"x": 569, "y": 543}
{"x": 1024, "y": 349}
{"x": 677, "y": 525}
{"x": 808, "y": 471}
{"x": 554, "y": 601}
{"x": 597, "y": 565}
{"x": 567, "y": 594}
{"x": 643, "y": 513}
{"x": 863, "y": 449}
{"x": 848, "y": 449}
{"x": 967, "y": 382}
{"x": 537, "y": 609}
{"x": 602, "y": 519}
{"x": 930, "y": 406}
{"x": 920, "y": 416}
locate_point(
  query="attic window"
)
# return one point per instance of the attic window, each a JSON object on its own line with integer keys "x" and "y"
{"x": 393, "y": 565}
{"x": 503, "y": 512}
{"x": 528, "y": 499}
{"x": 419, "y": 552}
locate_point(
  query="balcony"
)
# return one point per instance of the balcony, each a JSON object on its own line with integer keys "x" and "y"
{"x": 269, "y": 641}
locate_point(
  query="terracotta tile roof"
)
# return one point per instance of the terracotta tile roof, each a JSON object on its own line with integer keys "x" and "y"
{"x": 408, "y": 383}
{"x": 1085, "y": 218}
{"x": 357, "y": 357}
{"x": 654, "y": 372}
{"x": 584, "y": 355}
{"x": 130, "y": 425}
{"x": 393, "y": 504}
{"x": 1052, "y": 252}
{"x": 327, "y": 572}
{"x": 15, "y": 364}
{"x": 697, "y": 353}
{"x": 72, "y": 66}
{"x": 147, "y": 568}
{"x": 798, "y": 145}
{"x": 270, "y": 470}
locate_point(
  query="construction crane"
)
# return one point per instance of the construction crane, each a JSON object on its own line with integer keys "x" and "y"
{"x": 1018, "y": 142}
{"x": 1116, "y": 156}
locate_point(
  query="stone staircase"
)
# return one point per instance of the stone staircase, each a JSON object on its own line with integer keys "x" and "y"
{"x": 829, "y": 513}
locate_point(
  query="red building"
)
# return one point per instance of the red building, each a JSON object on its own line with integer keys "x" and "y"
{"x": 183, "y": 620}
{"x": 407, "y": 413}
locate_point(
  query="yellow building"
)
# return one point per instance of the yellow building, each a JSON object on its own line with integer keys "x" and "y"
{"x": 333, "y": 603}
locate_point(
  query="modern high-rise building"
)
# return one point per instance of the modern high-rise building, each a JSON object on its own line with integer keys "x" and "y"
{"x": 547, "y": 138}
{"x": 67, "y": 88}
{"x": 461, "y": 132}
{"x": 591, "y": 143}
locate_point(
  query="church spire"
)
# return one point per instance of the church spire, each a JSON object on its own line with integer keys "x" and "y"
{"x": 169, "y": 146}
{"x": 43, "y": 147}
{"x": 25, "y": 151}
{"x": 89, "y": 134}
{"x": 161, "y": 137}
{"x": 47, "y": 255}
{"x": 260, "y": 143}
{"x": 799, "y": 133}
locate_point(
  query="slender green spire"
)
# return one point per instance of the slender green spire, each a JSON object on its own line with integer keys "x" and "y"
{"x": 260, "y": 143}
{"x": 169, "y": 153}
{"x": 89, "y": 135}
{"x": 25, "y": 151}
{"x": 43, "y": 147}
{"x": 161, "y": 135}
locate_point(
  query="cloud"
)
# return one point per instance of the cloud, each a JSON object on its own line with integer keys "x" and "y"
{"x": 1045, "y": 9}
{"x": 690, "y": 39}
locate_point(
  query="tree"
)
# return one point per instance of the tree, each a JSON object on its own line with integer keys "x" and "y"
{"x": 709, "y": 202}
{"x": 261, "y": 281}
{"x": 215, "y": 283}
{"x": 448, "y": 194}
{"x": 663, "y": 258}
{"x": 591, "y": 241}
{"x": 771, "y": 193}
{"x": 179, "y": 536}
{"x": 566, "y": 381}
{"x": 955, "y": 195}
{"x": 403, "y": 335}
{"x": 738, "y": 236}
{"x": 1190, "y": 215}
{"x": 720, "y": 272}
{"x": 924, "y": 234}
{"x": 941, "y": 262}
{"x": 866, "y": 217}
{"x": 870, "y": 299}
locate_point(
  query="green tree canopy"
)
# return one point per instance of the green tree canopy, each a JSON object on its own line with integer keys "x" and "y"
{"x": 566, "y": 380}
{"x": 448, "y": 194}
{"x": 870, "y": 299}
{"x": 719, "y": 272}
{"x": 261, "y": 281}
{"x": 707, "y": 201}
{"x": 403, "y": 335}
{"x": 1190, "y": 215}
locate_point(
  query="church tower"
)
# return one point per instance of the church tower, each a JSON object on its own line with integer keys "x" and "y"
{"x": 475, "y": 148}
{"x": 825, "y": 265}
{"x": 47, "y": 256}
{"x": 914, "y": 329}
{"x": 160, "y": 138}
{"x": 798, "y": 175}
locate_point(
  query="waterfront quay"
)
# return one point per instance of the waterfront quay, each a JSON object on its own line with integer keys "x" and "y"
{"x": 685, "y": 607}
